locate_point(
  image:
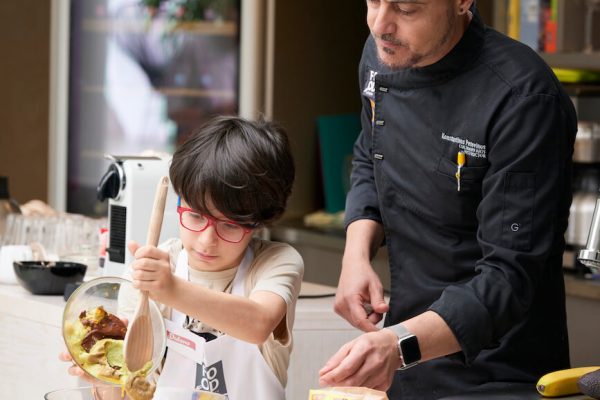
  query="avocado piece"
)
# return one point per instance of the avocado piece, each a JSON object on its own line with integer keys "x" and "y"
{"x": 589, "y": 384}
{"x": 114, "y": 353}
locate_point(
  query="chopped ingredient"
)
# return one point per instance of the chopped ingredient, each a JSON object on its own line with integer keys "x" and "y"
{"x": 95, "y": 341}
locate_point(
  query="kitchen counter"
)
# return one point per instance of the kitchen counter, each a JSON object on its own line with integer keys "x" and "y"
{"x": 31, "y": 340}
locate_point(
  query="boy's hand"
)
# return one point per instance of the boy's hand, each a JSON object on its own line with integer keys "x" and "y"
{"x": 74, "y": 370}
{"x": 151, "y": 271}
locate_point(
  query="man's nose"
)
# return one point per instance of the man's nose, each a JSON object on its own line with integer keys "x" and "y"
{"x": 384, "y": 22}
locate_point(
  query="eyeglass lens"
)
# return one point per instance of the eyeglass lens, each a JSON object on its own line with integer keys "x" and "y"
{"x": 225, "y": 230}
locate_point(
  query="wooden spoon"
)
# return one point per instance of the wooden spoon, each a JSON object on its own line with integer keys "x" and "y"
{"x": 139, "y": 341}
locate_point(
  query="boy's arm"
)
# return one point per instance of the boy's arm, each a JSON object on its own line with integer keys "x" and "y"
{"x": 250, "y": 319}
{"x": 274, "y": 277}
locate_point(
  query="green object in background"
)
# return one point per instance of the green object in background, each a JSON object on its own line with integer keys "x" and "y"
{"x": 576, "y": 75}
{"x": 337, "y": 134}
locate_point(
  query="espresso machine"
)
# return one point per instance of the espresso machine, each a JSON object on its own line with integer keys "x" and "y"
{"x": 129, "y": 184}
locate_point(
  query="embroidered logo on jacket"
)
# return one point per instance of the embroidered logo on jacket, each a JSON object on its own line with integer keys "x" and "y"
{"x": 211, "y": 379}
{"x": 470, "y": 148}
{"x": 369, "y": 90}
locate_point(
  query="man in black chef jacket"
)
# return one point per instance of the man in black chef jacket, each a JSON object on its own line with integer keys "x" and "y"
{"x": 463, "y": 170}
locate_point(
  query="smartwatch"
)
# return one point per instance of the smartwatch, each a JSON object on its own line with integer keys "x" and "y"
{"x": 408, "y": 346}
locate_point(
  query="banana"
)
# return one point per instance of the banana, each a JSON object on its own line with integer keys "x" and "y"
{"x": 563, "y": 382}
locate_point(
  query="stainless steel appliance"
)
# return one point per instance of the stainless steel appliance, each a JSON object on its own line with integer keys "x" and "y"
{"x": 590, "y": 256}
{"x": 129, "y": 185}
{"x": 587, "y": 142}
{"x": 582, "y": 209}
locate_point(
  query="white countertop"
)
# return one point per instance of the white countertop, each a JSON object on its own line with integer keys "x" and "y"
{"x": 18, "y": 302}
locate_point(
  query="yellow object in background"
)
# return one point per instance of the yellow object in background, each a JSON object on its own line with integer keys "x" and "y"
{"x": 322, "y": 219}
{"x": 461, "y": 159}
{"x": 563, "y": 382}
{"x": 576, "y": 75}
{"x": 514, "y": 17}
{"x": 346, "y": 393}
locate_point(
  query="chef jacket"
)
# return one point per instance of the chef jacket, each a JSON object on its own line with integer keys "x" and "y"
{"x": 487, "y": 258}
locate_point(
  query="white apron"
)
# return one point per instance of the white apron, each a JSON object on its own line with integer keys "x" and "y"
{"x": 224, "y": 365}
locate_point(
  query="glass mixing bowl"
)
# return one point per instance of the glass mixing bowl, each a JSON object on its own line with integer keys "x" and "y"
{"x": 117, "y": 296}
{"x": 114, "y": 393}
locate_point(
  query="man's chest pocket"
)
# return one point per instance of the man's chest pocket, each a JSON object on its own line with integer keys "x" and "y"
{"x": 461, "y": 199}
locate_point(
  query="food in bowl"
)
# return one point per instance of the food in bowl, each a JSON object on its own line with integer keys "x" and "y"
{"x": 94, "y": 327}
{"x": 96, "y": 343}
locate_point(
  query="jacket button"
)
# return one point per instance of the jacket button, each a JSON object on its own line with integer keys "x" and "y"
{"x": 380, "y": 122}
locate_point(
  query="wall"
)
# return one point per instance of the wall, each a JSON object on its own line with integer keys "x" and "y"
{"x": 317, "y": 49}
{"x": 24, "y": 79}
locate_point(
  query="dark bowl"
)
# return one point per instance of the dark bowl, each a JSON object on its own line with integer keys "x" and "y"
{"x": 48, "y": 277}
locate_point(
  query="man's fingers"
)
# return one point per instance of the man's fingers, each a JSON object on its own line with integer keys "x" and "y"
{"x": 361, "y": 320}
{"x": 346, "y": 371}
{"x": 374, "y": 318}
{"x": 377, "y": 301}
{"x": 335, "y": 360}
{"x": 381, "y": 307}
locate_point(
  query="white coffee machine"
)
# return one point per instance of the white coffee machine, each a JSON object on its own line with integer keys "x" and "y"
{"x": 129, "y": 184}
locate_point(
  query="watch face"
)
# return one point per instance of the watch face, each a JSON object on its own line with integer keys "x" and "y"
{"x": 410, "y": 350}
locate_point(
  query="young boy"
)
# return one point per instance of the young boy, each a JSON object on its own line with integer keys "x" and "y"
{"x": 229, "y": 296}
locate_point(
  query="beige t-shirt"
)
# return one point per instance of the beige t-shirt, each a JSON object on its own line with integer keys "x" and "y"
{"x": 276, "y": 267}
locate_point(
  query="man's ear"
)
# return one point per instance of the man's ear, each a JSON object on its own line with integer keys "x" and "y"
{"x": 463, "y": 6}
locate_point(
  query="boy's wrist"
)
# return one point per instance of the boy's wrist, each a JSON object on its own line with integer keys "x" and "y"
{"x": 174, "y": 291}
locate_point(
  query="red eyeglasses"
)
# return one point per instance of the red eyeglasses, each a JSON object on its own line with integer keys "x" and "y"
{"x": 229, "y": 231}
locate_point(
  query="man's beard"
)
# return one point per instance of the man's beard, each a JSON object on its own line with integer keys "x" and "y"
{"x": 413, "y": 58}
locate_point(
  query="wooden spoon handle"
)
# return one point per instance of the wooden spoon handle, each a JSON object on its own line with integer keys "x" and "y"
{"x": 158, "y": 209}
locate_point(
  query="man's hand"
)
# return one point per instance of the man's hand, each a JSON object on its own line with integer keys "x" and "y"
{"x": 359, "y": 297}
{"x": 369, "y": 360}
{"x": 151, "y": 271}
